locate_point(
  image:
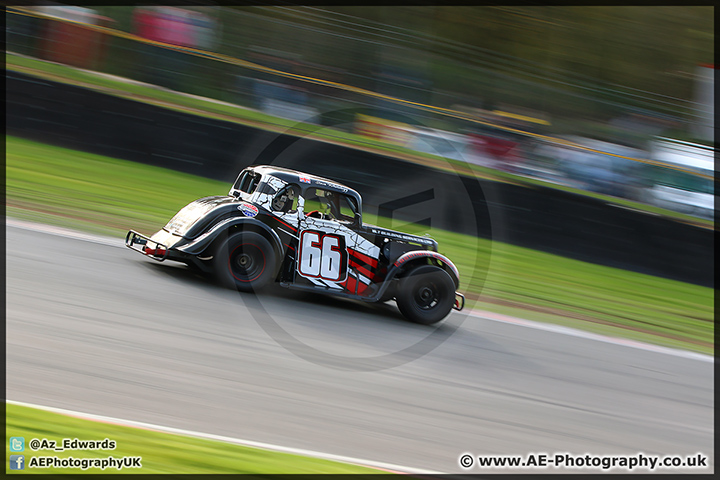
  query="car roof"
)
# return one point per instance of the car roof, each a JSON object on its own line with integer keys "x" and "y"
{"x": 304, "y": 179}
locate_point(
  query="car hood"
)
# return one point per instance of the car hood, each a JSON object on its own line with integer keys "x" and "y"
{"x": 406, "y": 237}
{"x": 183, "y": 221}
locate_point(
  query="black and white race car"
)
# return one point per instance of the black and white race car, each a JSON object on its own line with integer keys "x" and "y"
{"x": 305, "y": 232}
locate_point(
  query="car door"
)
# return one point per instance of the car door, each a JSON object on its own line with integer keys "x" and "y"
{"x": 324, "y": 240}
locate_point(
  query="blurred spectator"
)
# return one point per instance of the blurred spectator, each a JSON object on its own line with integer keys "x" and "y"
{"x": 144, "y": 26}
{"x": 174, "y": 26}
{"x": 205, "y": 30}
{"x": 284, "y": 101}
{"x": 73, "y": 42}
{"x": 597, "y": 172}
{"x": 286, "y": 98}
{"x": 144, "y": 22}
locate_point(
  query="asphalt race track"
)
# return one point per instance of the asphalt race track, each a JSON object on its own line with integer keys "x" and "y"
{"x": 95, "y": 327}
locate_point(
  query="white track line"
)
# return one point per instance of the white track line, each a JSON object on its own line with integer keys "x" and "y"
{"x": 237, "y": 441}
{"x": 549, "y": 327}
{"x": 64, "y": 232}
{"x": 485, "y": 315}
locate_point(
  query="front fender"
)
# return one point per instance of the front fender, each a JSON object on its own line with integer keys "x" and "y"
{"x": 417, "y": 254}
{"x": 199, "y": 244}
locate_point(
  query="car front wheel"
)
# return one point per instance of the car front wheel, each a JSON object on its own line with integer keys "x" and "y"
{"x": 426, "y": 294}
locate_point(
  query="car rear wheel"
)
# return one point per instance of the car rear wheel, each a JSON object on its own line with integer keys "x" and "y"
{"x": 426, "y": 294}
{"x": 245, "y": 261}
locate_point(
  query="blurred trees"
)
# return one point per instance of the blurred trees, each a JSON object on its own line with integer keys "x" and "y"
{"x": 646, "y": 48}
{"x": 637, "y": 55}
{"x": 553, "y": 58}
{"x": 654, "y": 49}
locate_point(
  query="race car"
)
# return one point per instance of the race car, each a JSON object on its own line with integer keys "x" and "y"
{"x": 305, "y": 232}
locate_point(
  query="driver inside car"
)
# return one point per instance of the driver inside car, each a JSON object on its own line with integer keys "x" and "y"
{"x": 324, "y": 206}
{"x": 285, "y": 201}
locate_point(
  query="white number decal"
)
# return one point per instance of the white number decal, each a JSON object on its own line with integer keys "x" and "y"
{"x": 310, "y": 254}
{"x": 330, "y": 266}
{"x": 323, "y": 256}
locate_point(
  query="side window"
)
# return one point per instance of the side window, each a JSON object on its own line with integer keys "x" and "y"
{"x": 316, "y": 203}
{"x": 286, "y": 200}
{"x": 330, "y": 205}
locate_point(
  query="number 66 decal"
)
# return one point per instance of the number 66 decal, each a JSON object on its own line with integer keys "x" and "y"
{"x": 322, "y": 256}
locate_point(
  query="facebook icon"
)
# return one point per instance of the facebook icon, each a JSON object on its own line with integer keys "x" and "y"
{"x": 17, "y": 462}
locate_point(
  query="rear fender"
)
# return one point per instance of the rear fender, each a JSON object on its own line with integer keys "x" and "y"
{"x": 409, "y": 258}
{"x": 201, "y": 243}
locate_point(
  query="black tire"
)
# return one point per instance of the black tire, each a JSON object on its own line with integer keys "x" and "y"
{"x": 245, "y": 261}
{"x": 426, "y": 294}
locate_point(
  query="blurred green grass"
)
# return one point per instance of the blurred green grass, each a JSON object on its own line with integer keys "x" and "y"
{"x": 160, "y": 452}
{"x": 107, "y": 195}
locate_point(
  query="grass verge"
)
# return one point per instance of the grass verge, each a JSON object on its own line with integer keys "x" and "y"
{"x": 161, "y": 452}
{"x": 110, "y": 196}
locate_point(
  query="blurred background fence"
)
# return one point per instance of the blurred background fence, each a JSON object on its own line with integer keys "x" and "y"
{"x": 496, "y": 86}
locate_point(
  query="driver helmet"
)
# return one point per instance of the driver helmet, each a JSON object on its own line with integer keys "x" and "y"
{"x": 284, "y": 201}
